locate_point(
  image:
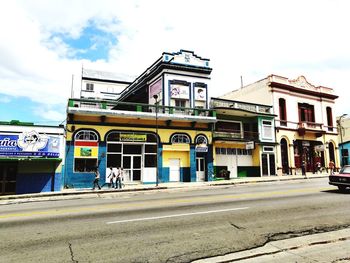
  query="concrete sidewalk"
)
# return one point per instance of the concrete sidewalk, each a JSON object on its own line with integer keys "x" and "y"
{"x": 66, "y": 193}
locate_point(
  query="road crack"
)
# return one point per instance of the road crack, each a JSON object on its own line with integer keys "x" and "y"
{"x": 72, "y": 253}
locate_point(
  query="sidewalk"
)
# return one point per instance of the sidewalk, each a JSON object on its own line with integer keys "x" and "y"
{"x": 145, "y": 187}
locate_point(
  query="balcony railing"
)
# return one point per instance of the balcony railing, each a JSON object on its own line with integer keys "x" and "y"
{"x": 138, "y": 107}
{"x": 256, "y": 108}
{"x": 228, "y": 134}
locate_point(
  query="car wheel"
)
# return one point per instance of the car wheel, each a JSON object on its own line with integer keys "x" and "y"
{"x": 342, "y": 188}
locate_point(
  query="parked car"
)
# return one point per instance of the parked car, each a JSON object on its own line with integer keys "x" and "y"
{"x": 342, "y": 180}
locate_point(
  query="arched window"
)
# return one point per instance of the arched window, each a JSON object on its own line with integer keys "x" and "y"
{"x": 329, "y": 118}
{"x": 86, "y": 151}
{"x": 180, "y": 138}
{"x": 284, "y": 156}
{"x": 86, "y": 135}
{"x": 283, "y": 112}
{"x": 201, "y": 139}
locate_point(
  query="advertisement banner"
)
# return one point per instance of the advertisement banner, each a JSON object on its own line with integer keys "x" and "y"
{"x": 200, "y": 93}
{"x": 179, "y": 91}
{"x": 29, "y": 144}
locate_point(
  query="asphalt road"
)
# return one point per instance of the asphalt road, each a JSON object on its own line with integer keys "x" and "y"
{"x": 175, "y": 225}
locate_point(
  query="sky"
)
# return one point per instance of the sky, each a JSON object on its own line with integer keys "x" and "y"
{"x": 44, "y": 44}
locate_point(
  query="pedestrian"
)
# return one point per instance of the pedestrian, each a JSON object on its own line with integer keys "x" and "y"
{"x": 303, "y": 170}
{"x": 318, "y": 167}
{"x": 118, "y": 182}
{"x": 331, "y": 167}
{"x": 97, "y": 179}
{"x": 111, "y": 177}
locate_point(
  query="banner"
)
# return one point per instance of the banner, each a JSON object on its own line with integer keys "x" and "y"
{"x": 30, "y": 144}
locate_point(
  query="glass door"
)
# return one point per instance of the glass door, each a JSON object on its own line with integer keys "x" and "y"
{"x": 132, "y": 167}
{"x": 200, "y": 170}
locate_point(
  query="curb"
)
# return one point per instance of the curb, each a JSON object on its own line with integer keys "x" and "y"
{"x": 138, "y": 189}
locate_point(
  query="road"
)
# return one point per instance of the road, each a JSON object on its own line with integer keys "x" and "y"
{"x": 176, "y": 225}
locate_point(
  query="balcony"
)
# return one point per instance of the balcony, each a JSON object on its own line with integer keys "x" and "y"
{"x": 235, "y": 135}
{"x": 237, "y": 105}
{"x": 131, "y": 110}
{"x": 304, "y": 127}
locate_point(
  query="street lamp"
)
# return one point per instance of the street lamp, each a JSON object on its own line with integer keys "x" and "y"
{"x": 341, "y": 137}
{"x": 155, "y": 96}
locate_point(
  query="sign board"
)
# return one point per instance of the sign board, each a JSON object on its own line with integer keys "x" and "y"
{"x": 132, "y": 137}
{"x": 178, "y": 91}
{"x": 319, "y": 148}
{"x": 305, "y": 143}
{"x": 201, "y": 149}
{"x": 249, "y": 145}
{"x": 30, "y": 144}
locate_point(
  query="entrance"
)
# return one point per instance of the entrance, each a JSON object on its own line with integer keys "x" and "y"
{"x": 284, "y": 156}
{"x": 132, "y": 167}
{"x": 200, "y": 170}
{"x": 174, "y": 167}
{"x": 8, "y": 173}
{"x": 268, "y": 164}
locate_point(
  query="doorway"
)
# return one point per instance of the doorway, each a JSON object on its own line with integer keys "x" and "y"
{"x": 132, "y": 167}
{"x": 200, "y": 169}
{"x": 284, "y": 156}
{"x": 174, "y": 167}
{"x": 268, "y": 164}
{"x": 8, "y": 174}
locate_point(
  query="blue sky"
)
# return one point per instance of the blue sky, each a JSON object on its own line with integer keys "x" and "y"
{"x": 45, "y": 44}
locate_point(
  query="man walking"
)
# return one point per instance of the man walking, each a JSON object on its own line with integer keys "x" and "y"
{"x": 97, "y": 179}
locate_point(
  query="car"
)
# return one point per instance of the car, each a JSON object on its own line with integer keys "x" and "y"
{"x": 342, "y": 180}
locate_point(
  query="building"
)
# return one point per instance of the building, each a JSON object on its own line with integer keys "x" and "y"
{"x": 305, "y": 129}
{"x": 101, "y": 85}
{"x": 31, "y": 158}
{"x": 244, "y": 139}
{"x": 162, "y": 119}
{"x": 343, "y": 125}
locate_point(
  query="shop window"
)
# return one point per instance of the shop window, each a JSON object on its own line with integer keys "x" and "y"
{"x": 217, "y": 150}
{"x": 114, "y": 160}
{"x": 150, "y": 160}
{"x": 150, "y": 148}
{"x": 239, "y": 151}
{"x": 114, "y": 147}
{"x": 180, "y": 138}
{"x": 84, "y": 164}
{"x": 223, "y": 151}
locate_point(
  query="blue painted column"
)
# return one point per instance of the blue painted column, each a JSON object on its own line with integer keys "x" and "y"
{"x": 209, "y": 161}
{"x": 193, "y": 169}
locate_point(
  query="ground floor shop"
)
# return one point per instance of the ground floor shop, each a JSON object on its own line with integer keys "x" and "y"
{"x": 30, "y": 158}
{"x": 241, "y": 159}
{"x": 143, "y": 156}
{"x": 303, "y": 155}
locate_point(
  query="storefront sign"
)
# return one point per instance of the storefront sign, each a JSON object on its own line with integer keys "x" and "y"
{"x": 249, "y": 146}
{"x": 319, "y": 148}
{"x": 200, "y": 93}
{"x": 31, "y": 144}
{"x": 305, "y": 143}
{"x": 133, "y": 137}
{"x": 201, "y": 148}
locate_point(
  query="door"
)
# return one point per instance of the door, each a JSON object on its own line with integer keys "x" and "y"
{"x": 174, "y": 167}
{"x": 8, "y": 174}
{"x": 132, "y": 167}
{"x": 200, "y": 170}
{"x": 268, "y": 164}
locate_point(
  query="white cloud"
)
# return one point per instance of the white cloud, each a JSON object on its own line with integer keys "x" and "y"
{"x": 249, "y": 38}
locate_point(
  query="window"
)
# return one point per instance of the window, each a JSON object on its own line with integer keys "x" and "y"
{"x": 283, "y": 112}
{"x": 267, "y": 149}
{"x": 267, "y": 131}
{"x": 306, "y": 112}
{"x": 201, "y": 139}
{"x": 180, "y": 103}
{"x": 85, "y": 162}
{"x": 86, "y": 135}
{"x": 82, "y": 165}
{"x": 329, "y": 118}
{"x": 89, "y": 87}
{"x": 180, "y": 138}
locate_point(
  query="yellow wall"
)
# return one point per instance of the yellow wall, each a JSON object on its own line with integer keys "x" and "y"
{"x": 183, "y": 156}
{"x": 256, "y": 156}
{"x": 163, "y": 133}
